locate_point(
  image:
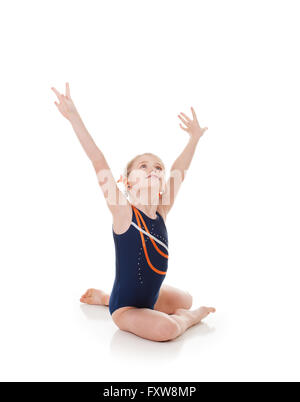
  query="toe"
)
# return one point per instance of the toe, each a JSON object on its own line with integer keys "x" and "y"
{"x": 89, "y": 300}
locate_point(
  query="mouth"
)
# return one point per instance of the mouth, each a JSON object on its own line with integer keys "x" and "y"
{"x": 152, "y": 175}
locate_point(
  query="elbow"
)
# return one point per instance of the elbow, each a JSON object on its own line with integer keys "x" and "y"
{"x": 98, "y": 162}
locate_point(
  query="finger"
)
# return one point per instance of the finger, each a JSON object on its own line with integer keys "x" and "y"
{"x": 56, "y": 92}
{"x": 68, "y": 95}
{"x": 188, "y": 119}
{"x": 63, "y": 99}
{"x": 183, "y": 128}
{"x": 187, "y": 123}
{"x": 194, "y": 114}
{"x": 61, "y": 108}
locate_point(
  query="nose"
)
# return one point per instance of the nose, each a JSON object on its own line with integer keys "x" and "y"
{"x": 152, "y": 171}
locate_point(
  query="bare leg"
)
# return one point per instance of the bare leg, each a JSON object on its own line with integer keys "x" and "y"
{"x": 158, "y": 326}
{"x": 188, "y": 318}
{"x": 170, "y": 299}
{"x": 95, "y": 296}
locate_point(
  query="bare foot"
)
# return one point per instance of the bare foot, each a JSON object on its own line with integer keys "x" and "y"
{"x": 198, "y": 314}
{"x": 95, "y": 296}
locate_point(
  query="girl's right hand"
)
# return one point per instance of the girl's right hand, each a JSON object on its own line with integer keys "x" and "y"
{"x": 66, "y": 105}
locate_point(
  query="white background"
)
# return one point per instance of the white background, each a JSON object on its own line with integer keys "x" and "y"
{"x": 234, "y": 229}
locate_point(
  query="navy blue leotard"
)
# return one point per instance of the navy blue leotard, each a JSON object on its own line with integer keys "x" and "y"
{"x": 141, "y": 266}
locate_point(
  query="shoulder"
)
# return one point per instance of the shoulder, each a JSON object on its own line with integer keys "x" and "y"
{"x": 162, "y": 211}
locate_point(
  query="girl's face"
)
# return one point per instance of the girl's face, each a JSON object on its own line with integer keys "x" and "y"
{"x": 146, "y": 172}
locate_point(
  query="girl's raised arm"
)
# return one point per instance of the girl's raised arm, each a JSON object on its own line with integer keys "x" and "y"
{"x": 116, "y": 201}
{"x": 182, "y": 163}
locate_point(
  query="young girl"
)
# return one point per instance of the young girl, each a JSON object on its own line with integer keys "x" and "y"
{"x": 138, "y": 302}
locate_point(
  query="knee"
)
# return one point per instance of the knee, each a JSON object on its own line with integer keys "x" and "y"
{"x": 169, "y": 329}
{"x": 188, "y": 302}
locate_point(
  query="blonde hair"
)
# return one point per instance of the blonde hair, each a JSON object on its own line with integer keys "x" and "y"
{"x": 130, "y": 164}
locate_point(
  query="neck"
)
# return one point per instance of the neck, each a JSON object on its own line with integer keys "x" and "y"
{"x": 149, "y": 210}
{"x": 141, "y": 202}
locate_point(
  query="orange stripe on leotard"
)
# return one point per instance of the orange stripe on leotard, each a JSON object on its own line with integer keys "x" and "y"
{"x": 153, "y": 242}
{"x": 137, "y": 214}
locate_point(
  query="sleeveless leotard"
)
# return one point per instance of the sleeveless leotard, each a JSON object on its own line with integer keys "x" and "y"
{"x": 141, "y": 262}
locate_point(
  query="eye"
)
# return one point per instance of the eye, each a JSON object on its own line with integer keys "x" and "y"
{"x": 144, "y": 164}
{"x": 158, "y": 167}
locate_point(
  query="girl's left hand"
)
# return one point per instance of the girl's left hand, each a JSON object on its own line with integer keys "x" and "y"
{"x": 193, "y": 126}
